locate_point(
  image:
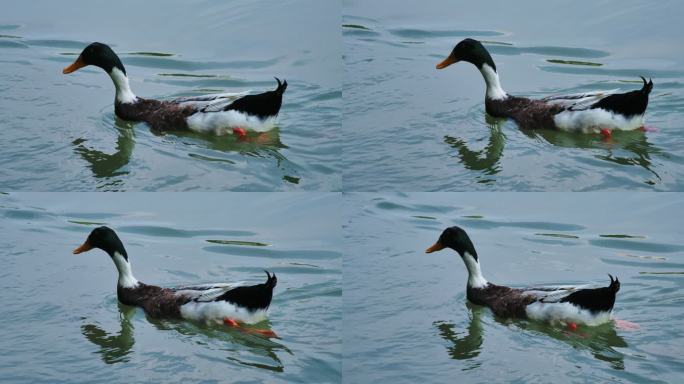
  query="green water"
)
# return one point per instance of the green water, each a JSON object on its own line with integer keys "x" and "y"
{"x": 62, "y": 322}
{"x": 410, "y": 127}
{"x": 407, "y": 319}
{"x": 59, "y": 132}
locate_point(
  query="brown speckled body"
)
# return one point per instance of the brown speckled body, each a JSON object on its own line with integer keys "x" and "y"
{"x": 160, "y": 115}
{"x": 528, "y": 113}
{"x": 156, "y": 301}
{"x": 503, "y": 301}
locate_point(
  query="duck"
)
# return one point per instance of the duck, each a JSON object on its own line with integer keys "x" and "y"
{"x": 224, "y": 113}
{"x": 591, "y": 112}
{"x": 229, "y": 303}
{"x": 556, "y": 305}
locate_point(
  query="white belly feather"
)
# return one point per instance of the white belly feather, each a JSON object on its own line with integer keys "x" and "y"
{"x": 594, "y": 120}
{"x": 566, "y": 313}
{"x": 216, "y": 311}
{"x": 221, "y": 123}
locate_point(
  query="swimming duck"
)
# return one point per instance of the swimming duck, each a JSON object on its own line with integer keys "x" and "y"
{"x": 591, "y": 112}
{"x": 222, "y": 302}
{"x": 569, "y": 305}
{"x": 219, "y": 113}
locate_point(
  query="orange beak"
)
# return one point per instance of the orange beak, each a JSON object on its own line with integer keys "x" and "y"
{"x": 85, "y": 247}
{"x": 435, "y": 247}
{"x": 75, "y": 66}
{"x": 447, "y": 62}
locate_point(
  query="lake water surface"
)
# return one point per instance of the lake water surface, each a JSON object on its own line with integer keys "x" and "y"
{"x": 62, "y": 322}
{"x": 399, "y": 316}
{"x": 410, "y": 127}
{"x": 59, "y": 132}
{"x": 406, "y": 315}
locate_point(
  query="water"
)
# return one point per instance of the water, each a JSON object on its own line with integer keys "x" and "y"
{"x": 59, "y": 132}
{"x": 62, "y": 322}
{"x": 410, "y": 127}
{"x": 365, "y": 110}
{"x": 407, "y": 319}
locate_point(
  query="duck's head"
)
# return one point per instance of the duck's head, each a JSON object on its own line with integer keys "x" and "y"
{"x": 105, "y": 239}
{"x": 469, "y": 50}
{"x": 457, "y": 239}
{"x": 99, "y": 55}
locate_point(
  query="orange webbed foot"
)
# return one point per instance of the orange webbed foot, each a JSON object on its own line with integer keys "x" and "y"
{"x": 236, "y": 324}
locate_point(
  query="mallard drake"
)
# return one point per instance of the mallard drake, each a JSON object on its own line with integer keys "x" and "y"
{"x": 591, "y": 112}
{"x": 222, "y": 302}
{"x": 570, "y": 305}
{"x": 219, "y": 113}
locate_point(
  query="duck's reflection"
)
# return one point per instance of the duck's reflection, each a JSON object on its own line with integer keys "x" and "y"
{"x": 623, "y": 147}
{"x": 486, "y": 159}
{"x": 262, "y": 351}
{"x": 105, "y": 165}
{"x": 114, "y": 348}
{"x": 600, "y": 341}
{"x": 254, "y": 143}
{"x": 243, "y": 348}
{"x": 630, "y": 148}
{"x": 465, "y": 345}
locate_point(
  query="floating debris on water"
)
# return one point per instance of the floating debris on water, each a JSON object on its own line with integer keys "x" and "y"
{"x": 162, "y": 54}
{"x": 305, "y": 265}
{"x": 356, "y": 26}
{"x": 82, "y": 222}
{"x": 561, "y": 235}
{"x": 184, "y": 75}
{"x": 424, "y": 217}
{"x": 574, "y": 62}
{"x": 239, "y": 242}
{"x": 642, "y": 256}
{"x": 624, "y": 236}
{"x": 495, "y": 42}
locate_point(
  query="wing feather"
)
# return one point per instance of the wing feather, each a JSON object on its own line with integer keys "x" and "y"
{"x": 579, "y": 101}
{"x": 553, "y": 294}
{"x": 211, "y": 103}
{"x": 207, "y": 292}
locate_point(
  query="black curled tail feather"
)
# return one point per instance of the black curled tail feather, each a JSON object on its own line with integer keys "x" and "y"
{"x": 282, "y": 86}
{"x": 263, "y": 105}
{"x": 648, "y": 86}
{"x": 271, "y": 280}
{"x": 614, "y": 284}
{"x": 595, "y": 299}
{"x": 252, "y": 297}
{"x": 633, "y": 103}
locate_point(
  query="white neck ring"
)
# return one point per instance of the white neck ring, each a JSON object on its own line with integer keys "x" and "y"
{"x": 126, "y": 278}
{"x": 123, "y": 89}
{"x": 494, "y": 89}
{"x": 475, "y": 278}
